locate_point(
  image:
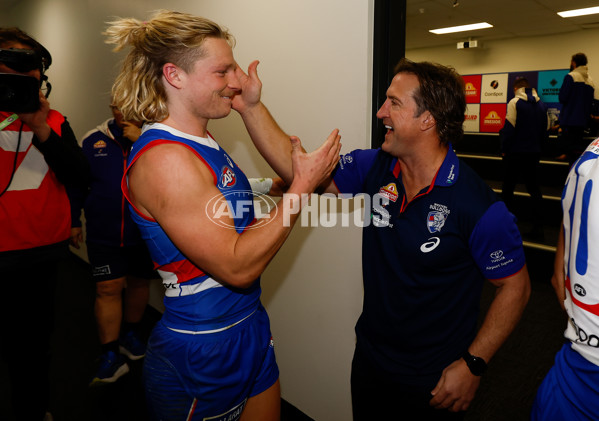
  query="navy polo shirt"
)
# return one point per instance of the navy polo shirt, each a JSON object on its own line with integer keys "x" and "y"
{"x": 424, "y": 262}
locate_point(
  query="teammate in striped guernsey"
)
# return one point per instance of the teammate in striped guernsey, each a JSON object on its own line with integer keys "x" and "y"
{"x": 570, "y": 390}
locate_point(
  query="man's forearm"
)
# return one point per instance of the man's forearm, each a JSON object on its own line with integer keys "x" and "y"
{"x": 557, "y": 280}
{"x": 503, "y": 315}
{"x": 270, "y": 140}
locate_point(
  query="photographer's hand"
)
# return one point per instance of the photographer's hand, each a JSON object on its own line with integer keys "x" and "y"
{"x": 37, "y": 120}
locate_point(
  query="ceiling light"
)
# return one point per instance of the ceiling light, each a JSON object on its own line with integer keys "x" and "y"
{"x": 461, "y": 28}
{"x": 579, "y": 12}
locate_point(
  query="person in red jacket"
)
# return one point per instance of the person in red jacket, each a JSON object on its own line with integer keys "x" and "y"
{"x": 39, "y": 156}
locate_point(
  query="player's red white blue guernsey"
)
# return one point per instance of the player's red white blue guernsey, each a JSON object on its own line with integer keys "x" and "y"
{"x": 212, "y": 349}
{"x": 193, "y": 300}
{"x": 570, "y": 389}
{"x": 424, "y": 262}
{"x": 580, "y": 201}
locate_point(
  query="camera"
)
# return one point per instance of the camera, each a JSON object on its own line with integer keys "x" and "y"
{"x": 19, "y": 93}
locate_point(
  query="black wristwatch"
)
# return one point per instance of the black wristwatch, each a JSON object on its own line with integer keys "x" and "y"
{"x": 476, "y": 365}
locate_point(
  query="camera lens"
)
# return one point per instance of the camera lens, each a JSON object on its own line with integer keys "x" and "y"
{"x": 18, "y": 93}
{"x": 7, "y": 93}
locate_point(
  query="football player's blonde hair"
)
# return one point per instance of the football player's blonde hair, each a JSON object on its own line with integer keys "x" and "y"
{"x": 168, "y": 37}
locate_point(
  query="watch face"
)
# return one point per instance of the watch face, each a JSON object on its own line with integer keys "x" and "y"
{"x": 476, "y": 364}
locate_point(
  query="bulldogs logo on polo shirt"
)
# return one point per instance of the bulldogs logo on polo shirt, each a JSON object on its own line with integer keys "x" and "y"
{"x": 436, "y": 218}
{"x": 435, "y": 221}
{"x": 227, "y": 177}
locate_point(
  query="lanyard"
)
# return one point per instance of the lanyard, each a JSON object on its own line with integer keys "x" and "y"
{"x": 7, "y": 121}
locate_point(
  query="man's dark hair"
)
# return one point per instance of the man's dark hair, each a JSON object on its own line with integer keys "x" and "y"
{"x": 580, "y": 59}
{"x": 521, "y": 83}
{"x": 12, "y": 35}
{"x": 441, "y": 92}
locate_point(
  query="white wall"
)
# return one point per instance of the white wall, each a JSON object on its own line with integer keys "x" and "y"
{"x": 316, "y": 68}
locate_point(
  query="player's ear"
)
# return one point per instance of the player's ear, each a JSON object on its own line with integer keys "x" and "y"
{"x": 173, "y": 74}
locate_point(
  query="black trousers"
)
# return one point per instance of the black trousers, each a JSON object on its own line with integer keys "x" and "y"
{"x": 26, "y": 323}
{"x": 525, "y": 168}
{"x": 377, "y": 398}
{"x": 573, "y": 142}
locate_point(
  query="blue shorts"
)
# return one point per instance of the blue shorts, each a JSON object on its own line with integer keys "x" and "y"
{"x": 570, "y": 391}
{"x": 112, "y": 262}
{"x": 208, "y": 376}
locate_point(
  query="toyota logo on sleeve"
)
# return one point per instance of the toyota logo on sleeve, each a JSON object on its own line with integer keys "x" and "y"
{"x": 496, "y": 255}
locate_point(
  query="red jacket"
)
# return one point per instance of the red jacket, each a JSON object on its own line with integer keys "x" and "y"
{"x": 34, "y": 208}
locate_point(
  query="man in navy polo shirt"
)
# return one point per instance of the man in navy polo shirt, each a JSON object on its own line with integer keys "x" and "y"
{"x": 437, "y": 231}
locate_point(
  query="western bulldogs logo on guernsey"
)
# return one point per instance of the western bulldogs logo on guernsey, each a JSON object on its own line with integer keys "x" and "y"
{"x": 436, "y": 218}
{"x": 227, "y": 177}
